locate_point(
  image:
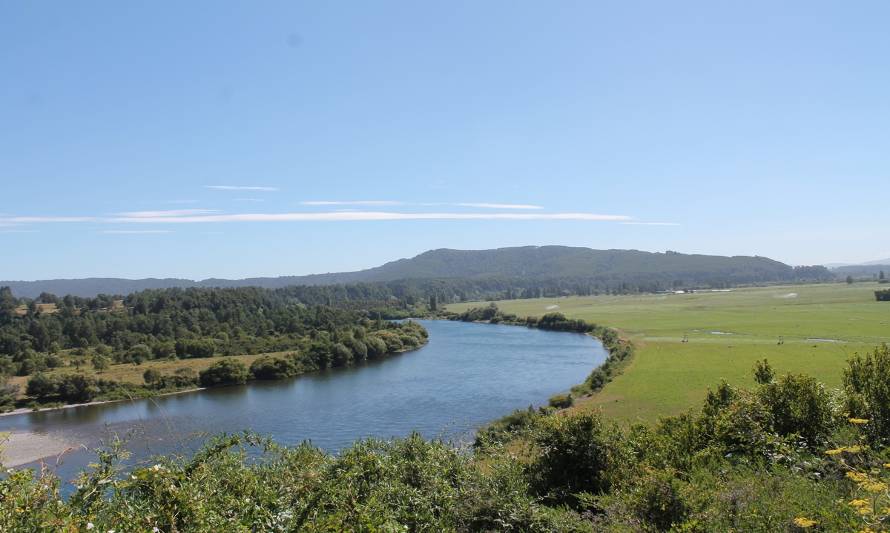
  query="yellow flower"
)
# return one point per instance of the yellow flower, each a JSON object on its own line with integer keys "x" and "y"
{"x": 858, "y": 502}
{"x": 874, "y": 486}
{"x": 886, "y": 465}
{"x": 804, "y": 522}
{"x": 859, "y": 421}
{"x": 858, "y": 477}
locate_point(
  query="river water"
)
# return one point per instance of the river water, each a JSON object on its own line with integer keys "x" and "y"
{"x": 467, "y": 375}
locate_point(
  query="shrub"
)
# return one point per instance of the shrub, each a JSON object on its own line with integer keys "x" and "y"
{"x": 225, "y": 372}
{"x": 151, "y": 376}
{"x": 268, "y": 367}
{"x": 77, "y": 388}
{"x": 799, "y": 405}
{"x": 867, "y": 384}
{"x": 42, "y": 386}
{"x": 138, "y": 354}
{"x": 561, "y": 401}
{"x": 578, "y": 454}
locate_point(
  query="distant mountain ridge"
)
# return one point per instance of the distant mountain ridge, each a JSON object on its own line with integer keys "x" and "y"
{"x": 517, "y": 263}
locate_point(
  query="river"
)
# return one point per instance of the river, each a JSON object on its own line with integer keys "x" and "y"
{"x": 467, "y": 375}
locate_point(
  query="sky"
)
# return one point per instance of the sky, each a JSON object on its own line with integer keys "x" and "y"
{"x": 234, "y": 139}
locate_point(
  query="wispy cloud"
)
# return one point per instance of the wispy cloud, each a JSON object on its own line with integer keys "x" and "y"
{"x": 43, "y": 219}
{"x": 351, "y": 202}
{"x": 635, "y": 223}
{"x": 367, "y": 216}
{"x": 135, "y": 231}
{"x": 483, "y": 205}
{"x": 19, "y": 231}
{"x": 477, "y": 205}
{"x": 240, "y": 188}
{"x": 167, "y": 213}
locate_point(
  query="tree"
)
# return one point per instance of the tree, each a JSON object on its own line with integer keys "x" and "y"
{"x": 100, "y": 362}
{"x": 268, "y": 367}
{"x": 42, "y": 385}
{"x": 881, "y": 275}
{"x": 225, "y": 372}
{"x": 849, "y": 280}
{"x": 763, "y": 372}
{"x": 151, "y": 376}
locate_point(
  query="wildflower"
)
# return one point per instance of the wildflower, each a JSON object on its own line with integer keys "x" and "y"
{"x": 804, "y": 522}
{"x": 874, "y": 486}
{"x": 90, "y": 525}
{"x": 858, "y": 502}
{"x": 858, "y": 421}
{"x": 858, "y": 477}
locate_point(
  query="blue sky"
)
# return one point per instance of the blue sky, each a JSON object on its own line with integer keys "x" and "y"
{"x": 233, "y": 139}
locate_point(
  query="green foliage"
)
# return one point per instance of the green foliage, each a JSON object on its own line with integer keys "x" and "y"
{"x": 151, "y": 376}
{"x": 72, "y": 388}
{"x": 577, "y": 454}
{"x": 882, "y": 295}
{"x": 867, "y": 384}
{"x": 268, "y": 367}
{"x": 799, "y": 405}
{"x": 560, "y": 401}
{"x": 224, "y": 372}
{"x": 763, "y": 372}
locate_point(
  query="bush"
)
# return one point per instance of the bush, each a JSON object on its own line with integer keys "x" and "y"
{"x": 138, "y": 354}
{"x": 268, "y": 367}
{"x": 578, "y": 454}
{"x": 77, "y": 388}
{"x": 867, "y": 384}
{"x": 151, "y": 376}
{"x": 42, "y": 386}
{"x": 561, "y": 401}
{"x": 799, "y": 405}
{"x": 225, "y": 372}
{"x": 883, "y": 295}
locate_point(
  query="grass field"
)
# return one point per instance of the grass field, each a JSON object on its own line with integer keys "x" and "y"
{"x": 821, "y": 325}
{"x": 130, "y": 373}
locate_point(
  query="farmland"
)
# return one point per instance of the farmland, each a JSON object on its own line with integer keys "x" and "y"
{"x": 808, "y": 329}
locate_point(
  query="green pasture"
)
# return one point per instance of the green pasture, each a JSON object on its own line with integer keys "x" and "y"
{"x": 808, "y": 329}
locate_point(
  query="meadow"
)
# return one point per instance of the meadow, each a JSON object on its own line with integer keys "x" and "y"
{"x": 687, "y": 343}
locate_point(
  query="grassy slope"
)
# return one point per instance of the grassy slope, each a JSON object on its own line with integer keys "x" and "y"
{"x": 668, "y": 376}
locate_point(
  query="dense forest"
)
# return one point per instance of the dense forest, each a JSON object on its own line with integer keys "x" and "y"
{"x": 40, "y": 335}
{"x": 504, "y": 273}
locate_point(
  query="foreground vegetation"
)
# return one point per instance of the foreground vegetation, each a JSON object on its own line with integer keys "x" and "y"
{"x": 788, "y": 454}
{"x": 799, "y": 328}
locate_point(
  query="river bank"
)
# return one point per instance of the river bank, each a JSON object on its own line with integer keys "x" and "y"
{"x": 26, "y": 410}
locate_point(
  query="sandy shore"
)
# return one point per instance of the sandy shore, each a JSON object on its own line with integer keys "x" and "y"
{"x": 20, "y": 448}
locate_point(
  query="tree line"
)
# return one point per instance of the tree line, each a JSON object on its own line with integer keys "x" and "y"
{"x": 183, "y": 324}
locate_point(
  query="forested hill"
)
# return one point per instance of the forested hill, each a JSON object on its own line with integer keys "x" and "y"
{"x": 523, "y": 268}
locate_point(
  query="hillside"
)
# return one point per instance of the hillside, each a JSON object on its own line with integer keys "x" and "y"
{"x": 518, "y": 266}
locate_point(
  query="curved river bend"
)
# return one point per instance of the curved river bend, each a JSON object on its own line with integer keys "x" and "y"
{"x": 468, "y": 375}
